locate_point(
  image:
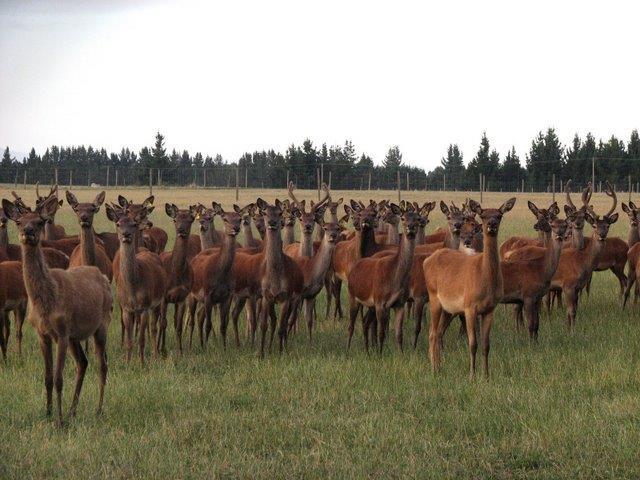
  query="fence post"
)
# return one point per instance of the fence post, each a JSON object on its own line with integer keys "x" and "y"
{"x": 444, "y": 182}
{"x": 204, "y": 178}
{"x": 107, "y": 176}
{"x": 24, "y": 178}
{"x": 593, "y": 172}
{"x": 237, "y": 176}
{"x": 330, "y": 181}
{"x": 56, "y": 175}
{"x": 522, "y": 190}
{"x": 369, "y": 180}
{"x": 70, "y": 179}
{"x": 480, "y": 181}
{"x": 159, "y": 177}
{"x": 408, "y": 187}
{"x": 150, "y": 181}
{"x": 322, "y": 172}
{"x": 398, "y": 183}
{"x": 246, "y": 177}
{"x": 553, "y": 187}
{"x": 287, "y": 186}
{"x": 89, "y": 178}
{"x": 116, "y": 177}
{"x": 629, "y": 187}
{"x": 318, "y": 178}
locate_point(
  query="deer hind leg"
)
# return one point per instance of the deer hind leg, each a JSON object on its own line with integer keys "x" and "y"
{"x": 19, "y": 314}
{"x": 328, "y": 295}
{"x": 4, "y": 337}
{"x": 225, "y": 306}
{"x": 572, "y": 306}
{"x": 382, "y": 317}
{"x": 142, "y": 328}
{"x": 100, "y": 341}
{"x": 418, "y": 308}
{"x": 265, "y": 308}
{"x": 81, "y": 368}
{"x": 529, "y": 307}
{"x": 192, "y": 303}
{"x": 123, "y": 328}
{"x": 152, "y": 324}
{"x": 285, "y": 313}
{"x": 129, "y": 319}
{"x": 631, "y": 279}
{"x": 517, "y": 311}
{"x": 353, "y": 315}
{"x": 336, "y": 288}
{"x": 309, "y": 308}
{"x": 178, "y": 322}
{"x": 618, "y": 271}
{"x": 487, "y": 320}
{"x": 235, "y": 322}
{"x": 61, "y": 356}
{"x": 434, "y": 327}
{"x": 399, "y": 315}
{"x": 470, "y": 316}
{"x": 208, "y": 324}
{"x": 160, "y": 321}
{"x": 252, "y": 320}
{"x": 200, "y": 318}
{"x": 368, "y": 321}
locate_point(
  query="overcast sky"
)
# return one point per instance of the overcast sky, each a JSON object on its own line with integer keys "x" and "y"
{"x": 235, "y": 76}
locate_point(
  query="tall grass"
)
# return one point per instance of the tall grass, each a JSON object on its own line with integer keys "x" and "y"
{"x": 567, "y": 407}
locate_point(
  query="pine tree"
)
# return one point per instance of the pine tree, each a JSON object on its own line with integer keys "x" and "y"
{"x": 393, "y": 159}
{"x": 453, "y": 168}
{"x": 159, "y": 153}
{"x": 511, "y": 172}
{"x": 482, "y": 163}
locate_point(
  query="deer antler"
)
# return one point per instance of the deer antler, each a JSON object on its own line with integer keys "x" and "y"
{"x": 37, "y": 190}
{"x": 611, "y": 193}
{"x": 315, "y": 207}
{"x": 293, "y": 197}
{"x": 567, "y": 191}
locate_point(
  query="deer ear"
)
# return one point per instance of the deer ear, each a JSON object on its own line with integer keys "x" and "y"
{"x": 123, "y": 202}
{"x": 171, "y": 209}
{"x": 99, "y": 200}
{"x": 632, "y": 206}
{"x": 475, "y": 207}
{"x": 236, "y": 208}
{"x": 508, "y": 205}
{"x": 48, "y": 208}
{"x": 613, "y": 218}
{"x": 343, "y": 222}
{"x": 444, "y": 208}
{"x": 355, "y": 206}
{"x": 589, "y": 218}
{"x": 533, "y": 208}
{"x": 625, "y": 208}
{"x": 568, "y": 210}
{"x": 217, "y": 208}
{"x": 71, "y": 199}
{"x": 10, "y": 209}
{"x": 111, "y": 213}
{"x": 149, "y": 210}
{"x": 395, "y": 209}
{"x": 339, "y": 201}
{"x": 554, "y": 209}
{"x": 348, "y": 210}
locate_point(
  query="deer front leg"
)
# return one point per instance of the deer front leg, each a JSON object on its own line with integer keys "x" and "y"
{"x": 487, "y": 320}
{"x": 418, "y": 308}
{"x": 285, "y": 311}
{"x": 142, "y": 332}
{"x": 265, "y": 308}
{"x": 178, "y": 322}
{"x": 81, "y": 367}
{"x": 382, "y": 317}
{"x": 129, "y": 320}
{"x": 470, "y": 316}
{"x": 47, "y": 354}
{"x": 434, "y": 342}
{"x": 58, "y": 374}
{"x": 100, "y": 342}
{"x": 400, "y": 312}
{"x": 224, "y": 321}
{"x": 3, "y": 334}
{"x": 353, "y": 315}
{"x": 19, "y": 315}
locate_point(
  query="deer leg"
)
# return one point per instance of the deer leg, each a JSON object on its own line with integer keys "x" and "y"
{"x": 353, "y": 315}
{"x": 630, "y": 281}
{"x": 47, "y": 353}
{"x": 100, "y": 342}
{"x": 487, "y": 320}
{"x": 19, "y": 315}
{"x": 285, "y": 311}
{"x": 400, "y": 312}
{"x": 208, "y": 311}
{"x": 368, "y": 321}
{"x": 588, "y": 285}
{"x": 434, "y": 342}
{"x": 178, "y": 321}
{"x": 382, "y": 317}
{"x": 572, "y": 301}
{"x": 470, "y": 316}
{"x": 252, "y": 320}
{"x": 328, "y": 295}
{"x": 200, "y": 314}
{"x": 142, "y": 328}
{"x": 529, "y": 312}
{"x": 225, "y": 305}
{"x": 3, "y": 333}
{"x": 123, "y": 328}
{"x": 618, "y": 271}
{"x": 418, "y": 309}
{"x": 152, "y": 324}
{"x": 336, "y": 290}
{"x": 192, "y": 304}
{"x": 517, "y": 310}
{"x": 129, "y": 319}
{"x": 81, "y": 368}
{"x": 58, "y": 374}
{"x": 265, "y": 308}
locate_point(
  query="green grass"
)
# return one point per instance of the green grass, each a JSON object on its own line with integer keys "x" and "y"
{"x": 565, "y": 408}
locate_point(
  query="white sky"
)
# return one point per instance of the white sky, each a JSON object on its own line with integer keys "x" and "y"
{"x": 235, "y": 76}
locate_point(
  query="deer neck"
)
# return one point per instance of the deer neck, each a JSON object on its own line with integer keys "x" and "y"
{"x": 634, "y": 237}
{"x": 49, "y": 231}
{"x": 491, "y": 273}
{"x": 552, "y": 258}
{"x": 393, "y": 236}
{"x": 451, "y": 241}
{"x": 88, "y": 246}
{"x": 247, "y": 232}
{"x": 322, "y": 261}
{"x": 420, "y": 236}
{"x": 306, "y": 245}
{"x": 273, "y": 255}
{"x": 542, "y": 237}
{"x": 577, "y": 238}
{"x": 546, "y": 238}
{"x": 367, "y": 242}
{"x": 206, "y": 238}
{"x": 41, "y": 288}
{"x": 179, "y": 257}
{"x": 595, "y": 247}
{"x": 128, "y": 266}
{"x": 4, "y": 239}
{"x": 404, "y": 259}
{"x": 289, "y": 235}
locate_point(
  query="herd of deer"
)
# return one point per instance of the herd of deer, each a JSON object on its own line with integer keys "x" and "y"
{"x": 64, "y": 282}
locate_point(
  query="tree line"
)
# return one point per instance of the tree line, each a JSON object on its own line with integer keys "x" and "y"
{"x": 615, "y": 160}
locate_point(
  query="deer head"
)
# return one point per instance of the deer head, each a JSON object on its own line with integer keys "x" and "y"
{"x": 455, "y": 218}
{"x": 128, "y": 223}
{"x": 205, "y": 217}
{"x": 601, "y": 224}
{"x": 575, "y": 215}
{"x": 491, "y": 217}
{"x": 85, "y": 211}
{"x": 632, "y": 212}
{"x": 30, "y": 223}
{"x": 272, "y": 214}
{"x": 308, "y": 219}
{"x": 182, "y": 218}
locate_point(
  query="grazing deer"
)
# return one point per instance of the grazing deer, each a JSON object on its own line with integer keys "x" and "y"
{"x": 383, "y": 283}
{"x": 213, "y": 277}
{"x": 460, "y": 283}
{"x": 281, "y": 279}
{"x": 178, "y": 270}
{"x": 527, "y": 275}
{"x": 88, "y": 253}
{"x": 65, "y": 306}
{"x": 140, "y": 278}
{"x": 541, "y": 226}
{"x": 314, "y": 270}
{"x": 13, "y": 298}
{"x": 308, "y": 221}
{"x": 576, "y": 265}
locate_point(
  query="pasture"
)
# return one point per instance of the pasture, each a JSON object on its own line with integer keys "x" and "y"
{"x": 567, "y": 407}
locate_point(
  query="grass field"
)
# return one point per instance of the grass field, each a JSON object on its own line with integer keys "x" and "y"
{"x": 568, "y": 407}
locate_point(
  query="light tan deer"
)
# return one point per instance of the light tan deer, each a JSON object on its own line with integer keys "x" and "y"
{"x": 469, "y": 284}
{"x": 65, "y": 306}
{"x": 308, "y": 220}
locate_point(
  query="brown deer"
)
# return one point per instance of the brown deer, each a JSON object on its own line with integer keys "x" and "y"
{"x": 179, "y": 273}
{"x": 541, "y": 226}
{"x": 140, "y": 278}
{"x": 65, "y": 306}
{"x": 51, "y": 230}
{"x": 527, "y": 280}
{"x": 209, "y": 236}
{"x": 13, "y": 298}
{"x": 314, "y": 270}
{"x": 88, "y": 253}
{"x": 383, "y": 283}
{"x": 451, "y": 239}
{"x": 281, "y": 279}
{"x": 213, "y": 277}
{"x": 247, "y": 232}
{"x": 460, "y": 283}
{"x": 308, "y": 220}
{"x": 633, "y": 255}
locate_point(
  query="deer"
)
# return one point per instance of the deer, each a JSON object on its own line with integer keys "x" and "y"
{"x": 469, "y": 284}
{"x": 247, "y": 232}
{"x": 13, "y": 298}
{"x": 332, "y": 208}
{"x": 177, "y": 268}
{"x": 51, "y": 230}
{"x": 213, "y": 277}
{"x": 280, "y": 277}
{"x": 633, "y": 253}
{"x": 314, "y": 270}
{"x": 65, "y": 306}
{"x": 451, "y": 239}
{"x": 209, "y": 236}
{"x": 289, "y": 218}
{"x": 541, "y": 226}
{"x": 382, "y": 283}
{"x": 88, "y": 253}
{"x": 308, "y": 220}
{"x": 155, "y": 238}
{"x": 392, "y": 221}
{"x": 140, "y": 278}
{"x": 527, "y": 279}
